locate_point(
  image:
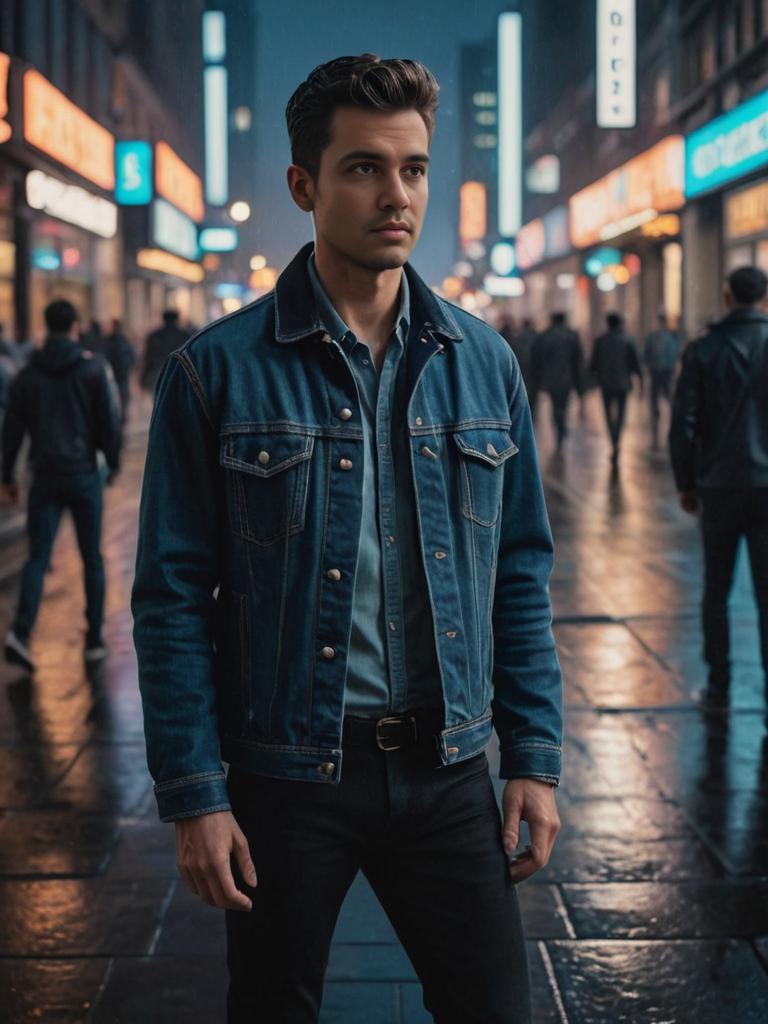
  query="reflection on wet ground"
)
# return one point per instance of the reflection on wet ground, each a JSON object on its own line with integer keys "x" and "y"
{"x": 653, "y": 908}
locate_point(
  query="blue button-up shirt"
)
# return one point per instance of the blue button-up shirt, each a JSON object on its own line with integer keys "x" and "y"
{"x": 392, "y": 664}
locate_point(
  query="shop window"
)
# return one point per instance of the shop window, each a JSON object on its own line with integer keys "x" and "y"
{"x": 730, "y": 36}
{"x": 747, "y": 24}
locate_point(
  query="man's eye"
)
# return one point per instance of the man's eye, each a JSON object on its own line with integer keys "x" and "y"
{"x": 364, "y": 168}
{"x": 417, "y": 172}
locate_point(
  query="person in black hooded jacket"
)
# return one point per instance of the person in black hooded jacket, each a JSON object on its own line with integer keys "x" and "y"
{"x": 64, "y": 400}
{"x": 718, "y": 445}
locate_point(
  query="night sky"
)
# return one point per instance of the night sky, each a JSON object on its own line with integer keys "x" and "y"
{"x": 296, "y": 35}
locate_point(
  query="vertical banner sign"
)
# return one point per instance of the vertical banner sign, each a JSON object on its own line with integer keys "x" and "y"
{"x": 510, "y": 135}
{"x": 5, "y": 128}
{"x": 616, "y": 64}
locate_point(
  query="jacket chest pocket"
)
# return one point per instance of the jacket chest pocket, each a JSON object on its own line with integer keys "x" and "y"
{"x": 267, "y": 481}
{"x": 482, "y": 454}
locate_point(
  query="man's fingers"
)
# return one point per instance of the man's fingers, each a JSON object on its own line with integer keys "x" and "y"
{"x": 189, "y": 880}
{"x": 224, "y": 891}
{"x": 243, "y": 858}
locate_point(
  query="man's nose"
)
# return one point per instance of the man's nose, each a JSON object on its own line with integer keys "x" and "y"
{"x": 394, "y": 195}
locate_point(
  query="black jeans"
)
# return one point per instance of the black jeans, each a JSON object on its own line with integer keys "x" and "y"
{"x": 727, "y": 516}
{"x": 429, "y": 842}
{"x": 615, "y": 403}
{"x": 661, "y": 387}
{"x": 81, "y": 493}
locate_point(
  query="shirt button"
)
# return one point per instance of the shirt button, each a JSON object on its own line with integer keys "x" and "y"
{"x": 345, "y": 463}
{"x": 390, "y": 540}
{"x": 333, "y": 574}
{"x": 439, "y": 554}
{"x": 419, "y": 421}
{"x": 328, "y": 652}
{"x": 392, "y": 627}
{"x": 345, "y": 414}
{"x": 327, "y": 768}
{"x": 263, "y": 458}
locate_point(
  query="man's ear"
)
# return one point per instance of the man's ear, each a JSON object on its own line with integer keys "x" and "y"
{"x": 301, "y": 187}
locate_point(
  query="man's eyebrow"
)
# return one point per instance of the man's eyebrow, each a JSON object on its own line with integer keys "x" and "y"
{"x": 365, "y": 154}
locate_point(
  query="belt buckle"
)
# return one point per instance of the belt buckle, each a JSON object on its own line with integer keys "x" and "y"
{"x": 398, "y": 720}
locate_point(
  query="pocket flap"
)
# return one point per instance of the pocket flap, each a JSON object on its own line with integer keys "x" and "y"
{"x": 264, "y": 454}
{"x": 489, "y": 445}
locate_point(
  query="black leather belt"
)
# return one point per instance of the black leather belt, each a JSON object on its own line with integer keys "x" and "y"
{"x": 393, "y": 732}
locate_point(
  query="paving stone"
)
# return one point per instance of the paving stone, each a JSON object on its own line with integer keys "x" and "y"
{"x": 69, "y": 918}
{"x": 29, "y": 772}
{"x": 362, "y": 918}
{"x": 191, "y": 927}
{"x": 158, "y": 989}
{"x": 664, "y": 910}
{"x": 106, "y": 778}
{"x": 542, "y": 910}
{"x": 633, "y": 982}
{"x": 369, "y": 962}
{"x": 354, "y": 1002}
{"x": 55, "y": 843}
{"x": 617, "y": 859}
{"x": 144, "y": 849}
{"x": 628, "y": 818}
{"x": 57, "y": 990}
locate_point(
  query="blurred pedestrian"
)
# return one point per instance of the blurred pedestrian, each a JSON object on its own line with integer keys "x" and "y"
{"x": 719, "y": 449}
{"x": 556, "y": 366}
{"x": 660, "y": 355}
{"x": 614, "y": 363}
{"x": 24, "y": 347}
{"x": 120, "y": 355}
{"x": 158, "y": 347}
{"x": 520, "y": 339}
{"x": 63, "y": 400}
{"x": 93, "y": 338}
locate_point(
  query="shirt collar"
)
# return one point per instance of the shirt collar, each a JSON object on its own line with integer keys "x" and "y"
{"x": 335, "y": 325}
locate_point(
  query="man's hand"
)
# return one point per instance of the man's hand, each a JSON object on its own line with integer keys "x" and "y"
{"x": 9, "y": 494}
{"x": 533, "y": 801}
{"x": 689, "y": 502}
{"x": 204, "y": 846}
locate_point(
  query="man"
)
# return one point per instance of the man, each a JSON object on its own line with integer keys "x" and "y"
{"x": 158, "y": 347}
{"x": 347, "y": 464}
{"x": 63, "y": 400}
{"x": 520, "y": 339}
{"x": 119, "y": 353}
{"x": 614, "y": 363}
{"x": 660, "y": 356}
{"x": 719, "y": 449}
{"x": 556, "y": 367}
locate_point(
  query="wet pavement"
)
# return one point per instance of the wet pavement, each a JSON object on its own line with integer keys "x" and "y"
{"x": 653, "y": 908}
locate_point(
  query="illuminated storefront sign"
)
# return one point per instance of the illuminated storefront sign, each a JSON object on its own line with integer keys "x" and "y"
{"x": 543, "y": 176}
{"x": 133, "y": 173}
{"x": 173, "y": 230}
{"x": 746, "y": 212}
{"x": 630, "y": 196}
{"x": 177, "y": 182}
{"x": 167, "y": 263}
{"x": 728, "y": 147}
{"x": 72, "y": 204}
{"x": 616, "y": 64}
{"x": 218, "y": 239}
{"x": 64, "y": 132}
{"x": 510, "y": 134}
{"x": 5, "y": 128}
{"x": 472, "y": 211}
{"x": 545, "y": 238}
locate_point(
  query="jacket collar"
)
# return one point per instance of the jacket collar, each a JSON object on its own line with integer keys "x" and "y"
{"x": 297, "y": 315}
{"x": 745, "y": 313}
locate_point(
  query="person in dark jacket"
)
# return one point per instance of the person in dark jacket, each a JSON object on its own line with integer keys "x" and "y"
{"x": 660, "y": 355}
{"x": 158, "y": 347}
{"x": 719, "y": 449}
{"x": 119, "y": 353}
{"x": 93, "y": 338}
{"x": 614, "y": 363}
{"x": 556, "y": 367}
{"x": 63, "y": 400}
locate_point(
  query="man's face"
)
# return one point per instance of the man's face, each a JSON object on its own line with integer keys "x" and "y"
{"x": 371, "y": 192}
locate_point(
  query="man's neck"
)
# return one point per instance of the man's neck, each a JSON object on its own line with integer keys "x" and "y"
{"x": 367, "y": 301}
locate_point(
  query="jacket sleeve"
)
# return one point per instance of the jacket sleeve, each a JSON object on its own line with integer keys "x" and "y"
{"x": 109, "y": 431}
{"x": 634, "y": 359}
{"x": 13, "y": 429}
{"x": 177, "y": 572}
{"x": 527, "y": 703}
{"x": 684, "y": 428}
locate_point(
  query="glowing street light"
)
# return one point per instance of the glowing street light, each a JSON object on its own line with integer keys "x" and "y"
{"x": 240, "y": 211}
{"x": 258, "y": 262}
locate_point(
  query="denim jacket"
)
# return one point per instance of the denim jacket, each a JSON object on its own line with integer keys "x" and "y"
{"x": 249, "y": 532}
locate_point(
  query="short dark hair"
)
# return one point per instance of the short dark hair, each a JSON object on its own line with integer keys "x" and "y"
{"x": 558, "y": 318}
{"x": 748, "y": 285}
{"x": 59, "y": 316}
{"x": 170, "y": 316}
{"x": 367, "y": 81}
{"x": 613, "y": 320}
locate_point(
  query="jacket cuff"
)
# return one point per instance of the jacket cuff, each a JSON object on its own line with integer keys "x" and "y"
{"x": 192, "y": 796}
{"x": 531, "y": 760}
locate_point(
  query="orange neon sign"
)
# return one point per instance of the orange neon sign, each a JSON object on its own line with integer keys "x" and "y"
{"x": 472, "y": 211}
{"x": 59, "y": 128}
{"x": 651, "y": 183}
{"x": 5, "y": 128}
{"x": 178, "y": 183}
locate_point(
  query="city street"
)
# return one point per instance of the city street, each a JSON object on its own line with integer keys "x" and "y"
{"x": 653, "y": 908}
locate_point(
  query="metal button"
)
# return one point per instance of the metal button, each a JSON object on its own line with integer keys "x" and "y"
{"x": 453, "y": 750}
{"x": 451, "y": 633}
{"x": 325, "y": 337}
{"x": 327, "y": 768}
{"x": 333, "y": 574}
{"x": 419, "y": 421}
{"x": 328, "y": 652}
{"x": 345, "y": 414}
{"x": 393, "y": 627}
{"x": 440, "y": 554}
{"x": 263, "y": 458}
{"x": 345, "y": 463}
{"x": 390, "y": 540}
